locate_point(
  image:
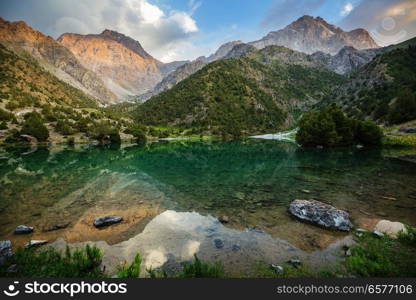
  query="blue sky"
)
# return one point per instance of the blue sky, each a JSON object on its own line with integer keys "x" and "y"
{"x": 185, "y": 29}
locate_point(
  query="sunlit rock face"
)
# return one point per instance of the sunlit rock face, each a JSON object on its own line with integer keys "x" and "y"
{"x": 309, "y": 35}
{"x": 121, "y": 61}
{"x": 55, "y": 58}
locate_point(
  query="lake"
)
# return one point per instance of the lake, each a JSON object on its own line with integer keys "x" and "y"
{"x": 180, "y": 183}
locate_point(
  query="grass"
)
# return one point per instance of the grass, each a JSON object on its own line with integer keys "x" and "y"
{"x": 383, "y": 257}
{"x": 403, "y": 141}
{"x": 79, "y": 263}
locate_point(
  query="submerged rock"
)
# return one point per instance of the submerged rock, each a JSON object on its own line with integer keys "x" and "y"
{"x": 224, "y": 219}
{"x": 107, "y": 221}
{"x": 294, "y": 262}
{"x": 5, "y": 251}
{"x": 278, "y": 269}
{"x": 23, "y": 229}
{"x": 219, "y": 244}
{"x": 390, "y": 228}
{"x": 33, "y": 243}
{"x": 56, "y": 227}
{"x": 321, "y": 214}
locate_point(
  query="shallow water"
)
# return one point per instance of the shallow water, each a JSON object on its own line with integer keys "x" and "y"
{"x": 251, "y": 182}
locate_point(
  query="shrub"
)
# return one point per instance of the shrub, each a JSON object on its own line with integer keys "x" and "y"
{"x": 64, "y": 127}
{"x": 3, "y": 125}
{"x": 329, "y": 127}
{"x": 106, "y": 133}
{"x": 5, "y": 115}
{"x": 33, "y": 125}
{"x": 138, "y": 132}
{"x": 369, "y": 134}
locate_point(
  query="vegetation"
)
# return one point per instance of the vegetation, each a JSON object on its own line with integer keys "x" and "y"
{"x": 384, "y": 257}
{"x": 384, "y": 90}
{"x": 236, "y": 97}
{"x": 34, "y": 126}
{"x": 105, "y": 132}
{"x": 79, "y": 263}
{"x": 329, "y": 127}
{"x": 132, "y": 271}
{"x": 199, "y": 269}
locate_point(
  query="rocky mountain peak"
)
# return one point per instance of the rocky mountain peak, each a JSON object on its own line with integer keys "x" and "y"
{"x": 309, "y": 35}
{"x": 127, "y": 42}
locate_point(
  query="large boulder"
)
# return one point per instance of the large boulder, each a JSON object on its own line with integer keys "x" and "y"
{"x": 23, "y": 229}
{"x": 107, "y": 221}
{"x": 5, "y": 251}
{"x": 390, "y": 228}
{"x": 321, "y": 214}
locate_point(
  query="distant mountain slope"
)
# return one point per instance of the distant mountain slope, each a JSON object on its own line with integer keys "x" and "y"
{"x": 372, "y": 91}
{"x": 310, "y": 35}
{"x": 250, "y": 94}
{"x": 121, "y": 61}
{"x": 54, "y": 57}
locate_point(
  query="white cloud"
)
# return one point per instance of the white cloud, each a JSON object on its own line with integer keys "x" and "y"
{"x": 346, "y": 9}
{"x": 162, "y": 31}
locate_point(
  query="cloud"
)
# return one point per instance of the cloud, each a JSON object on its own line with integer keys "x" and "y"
{"x": 159, "y": 30}
{"x": 346, "y": 9}
{"x": 284, "y": 12}
{"x": 389, "y": 21}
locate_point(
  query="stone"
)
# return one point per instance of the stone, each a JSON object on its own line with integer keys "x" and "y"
{"x": 348, "y": 252}
{"x": 378, "y": 233}
{"x": 34, "y": 243}
{"x": 106, "y": 221}
{"x": 321, "y": 214}
{"x": 56, "y": 227}
{"x": 294, "y": 262}
{"x": 306, "y": 191}
{"x": 359, "y": 146}
{"x": 29, "y": 138}
{"x": 23, "y": 229}
{"x": 224, "y": 219}
{"x": 390, "y": 228}
{"x": 408, "y": 130}
{"x": 219, "y": 244}
{"x": 12, "y": 269}
{"x": 5, "y": 251}
{"x": 278, "y": 269}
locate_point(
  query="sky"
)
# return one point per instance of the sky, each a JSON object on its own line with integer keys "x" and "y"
{"x": 186, "y": 29}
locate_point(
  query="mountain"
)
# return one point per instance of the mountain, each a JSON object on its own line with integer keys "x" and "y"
{"x": 54, "y": 57}
{"x": 262, "y": 92}
{"x": 126, "y": 68}
{"x": 310, "y": 35}
{"x": 185, "y": 70}
{"x": 382, "y": 89}
{"x": 54, "y": 106}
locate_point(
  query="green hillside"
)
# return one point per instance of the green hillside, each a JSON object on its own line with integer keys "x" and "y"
{"x": 383, "y": 90}
{"x": 32, "y": 98}
{"x": 240, "y": 96}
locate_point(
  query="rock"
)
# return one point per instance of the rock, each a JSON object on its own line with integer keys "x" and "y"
{"x": 23, "y": 229}
{"x": 390, "y": 228}
{"x": 29, "y": 138}
{"x": 320, "y": 213}
{"x": 381, "y": 214}
{"x": 277, "y": 269}
{"x": 5, "y": 251}
{"x": 389, "y": 198}
{"x": 107, "y": 221}
{"x": 320, "y": 147}
{"x": 361, "y": 230}
{"x": 33, "y": 243}
{"x": 378, "y": 233}
{"x": 306, "y": 191}
{"x": 56, "y": 227}
{"x": 219, "y": 244}
{"x": 224, "y": 219}
{"x": 359, "y": 146}
{"x": 294, "y": 262}
{"x": 408, "y": 130}
{"x": 12, "y": 269}
{"x": 236, "y": 248}
{"x": 348, "y": 252}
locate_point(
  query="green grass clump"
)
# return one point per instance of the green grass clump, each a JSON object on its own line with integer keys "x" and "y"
{"x": 131, "y": 271}
{"x": 200, "y": 269}
{"x": 49, "y": 262}
{"x": 402, "y": 141}
{"x": 383, "y": 257}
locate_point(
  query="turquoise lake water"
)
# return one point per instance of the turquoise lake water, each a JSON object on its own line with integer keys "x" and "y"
{"x": 251, "y": 182}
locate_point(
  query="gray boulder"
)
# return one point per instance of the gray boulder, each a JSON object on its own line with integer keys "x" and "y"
{"x": 33, "y": 243}
{"x": 107, "y": 221}
{"x": 321, "y": 214}
{"x": 5, "y": 251}
{"x": 23, "y": 229}
{"x": 408, "y": 130}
